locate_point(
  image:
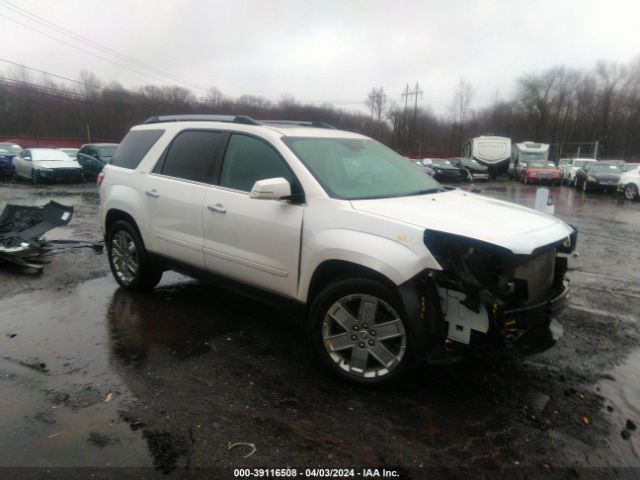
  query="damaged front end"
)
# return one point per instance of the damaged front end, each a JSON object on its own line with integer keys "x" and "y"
{"x": 489, "y": 296}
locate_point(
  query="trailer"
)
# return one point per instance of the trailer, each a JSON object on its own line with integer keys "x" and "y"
{"x": 490, "y": 151}
{"x": 523, "y": 153}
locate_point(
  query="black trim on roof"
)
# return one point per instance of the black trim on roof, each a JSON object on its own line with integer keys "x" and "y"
{"x": 202, "y": 118}
{"x": 297, "y": 123}
{"x": 243, "y": 119}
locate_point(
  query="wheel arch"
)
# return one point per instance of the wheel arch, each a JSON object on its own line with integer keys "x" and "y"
{"x": 332, "y": 270}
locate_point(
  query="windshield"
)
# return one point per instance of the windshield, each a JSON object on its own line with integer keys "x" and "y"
{"x": 542, "y": 165}
{"x": 564, "y": 162}
{"x": 531, "y": 156}
{"x": 627, "y": 167}
{"x": 582, "y": 163}
{"x": 604, "y": 168}
{"x": 107, "y": 151}
{"x": 11, "y": 148}
{"x": 353, "y": 168}
{"x": 49, "y": 155}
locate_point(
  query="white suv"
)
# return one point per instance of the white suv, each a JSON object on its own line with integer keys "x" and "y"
{"x": 390, "y": 268}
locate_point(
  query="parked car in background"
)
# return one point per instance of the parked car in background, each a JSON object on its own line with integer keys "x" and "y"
{"x": 571, "y": 168}
{"x": 92, "y": 157}
{"x": 476, "y": 170}
{"x": 425, "y": 168}
{"x": 7, "y": 152}
{"x": 72, "y": 152}
{"x": 46, "y": 164}
{"x": 446, "y": 172}
{"x": 629, "y": 182}
{"x": 541, "y": 172}
{"x": 598, "y": 176}
{"x": 628, "y": 166}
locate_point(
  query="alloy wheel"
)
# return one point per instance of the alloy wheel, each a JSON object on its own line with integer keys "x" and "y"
{"x": 364, "y": 336}
{"x": 124, "y": 256}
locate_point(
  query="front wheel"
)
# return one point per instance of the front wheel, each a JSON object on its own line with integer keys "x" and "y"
{"x": 358, "y": 329}
{"x": 631, "y": 191}
{"x": 128, "y": 259}
{"x": 34, "y": 177}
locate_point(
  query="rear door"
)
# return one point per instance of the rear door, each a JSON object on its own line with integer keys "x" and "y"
{"x": 254, "y": 241}
{"x": 175, "y": 194}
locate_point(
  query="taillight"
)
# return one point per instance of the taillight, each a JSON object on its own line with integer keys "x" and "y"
{"x": 100, "y": 178}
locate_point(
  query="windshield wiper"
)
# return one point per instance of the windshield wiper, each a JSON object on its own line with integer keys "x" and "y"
{"x": 424, "y": 192}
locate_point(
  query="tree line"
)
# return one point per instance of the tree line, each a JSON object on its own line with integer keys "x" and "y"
{"x": 571, "y": 109}
{"x": 568, "y": 108}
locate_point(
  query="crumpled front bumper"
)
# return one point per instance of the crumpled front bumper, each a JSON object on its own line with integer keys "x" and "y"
{"x": 533, "y": 328}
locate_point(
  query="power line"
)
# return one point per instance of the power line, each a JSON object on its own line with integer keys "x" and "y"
{"x": 85, "y": 51}
{"x": 34, "y": 88}
{"x": 64, "y": 31}
{"x": 51, "y": 74}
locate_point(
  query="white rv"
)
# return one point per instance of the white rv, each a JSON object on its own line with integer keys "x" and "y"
{"x": 493, "y": 152}
{"x": 525, "y": 152}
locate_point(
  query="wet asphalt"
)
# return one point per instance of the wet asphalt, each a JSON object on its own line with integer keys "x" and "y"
{"x": 97, "y": 377}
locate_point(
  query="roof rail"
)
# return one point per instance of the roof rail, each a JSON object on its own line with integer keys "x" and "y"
{"x": 202, "y": 118}
{"x": 297, "y": 123}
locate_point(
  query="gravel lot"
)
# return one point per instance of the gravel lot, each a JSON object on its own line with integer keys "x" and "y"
{"x": 93, "y": 376}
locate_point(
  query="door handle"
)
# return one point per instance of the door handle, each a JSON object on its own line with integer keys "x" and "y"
{"x": 218, "y": 207}
{"x": 152, "y": 193}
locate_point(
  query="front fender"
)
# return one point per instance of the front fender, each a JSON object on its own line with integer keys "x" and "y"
{"x": 395, "y": 260}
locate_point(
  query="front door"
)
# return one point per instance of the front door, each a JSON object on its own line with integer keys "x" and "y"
{"x": 254, "y": 241}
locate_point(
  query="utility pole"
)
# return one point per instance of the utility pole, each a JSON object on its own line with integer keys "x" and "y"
{"x": 409, "y": 131}
{"x": 403, "y": 132}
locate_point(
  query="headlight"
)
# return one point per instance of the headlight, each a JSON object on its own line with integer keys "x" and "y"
{"x": 592, "y": 179}
{"x": 44, "y": 169}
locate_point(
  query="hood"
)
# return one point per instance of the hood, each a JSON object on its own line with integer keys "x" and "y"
{"x": 543, "y": 170}
{"x": 605, "y": 176}
{"x": 511, "y": 226}
{"x": 443, "y": 166}
{"x": 56, "y": 164}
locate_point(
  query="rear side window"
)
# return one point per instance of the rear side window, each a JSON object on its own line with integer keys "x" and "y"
{"x": 192, "y": 155}
{"x": 248, "y": 160}
{"x": 134, "y": 147}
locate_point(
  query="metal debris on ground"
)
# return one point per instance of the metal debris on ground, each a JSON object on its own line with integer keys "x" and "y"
{"x": 21, "y": 230}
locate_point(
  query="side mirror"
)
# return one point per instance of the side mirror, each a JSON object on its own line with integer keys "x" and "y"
{"x": 271, "y": 189}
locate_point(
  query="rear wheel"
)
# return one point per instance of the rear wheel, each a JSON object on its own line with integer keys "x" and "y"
{"x": 359, "y": 331}
{"x": 631, "y": 191}
{"x": 128, "y": 259}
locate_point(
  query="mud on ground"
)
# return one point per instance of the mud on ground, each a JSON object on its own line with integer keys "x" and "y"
{"x": 94, "y": 376}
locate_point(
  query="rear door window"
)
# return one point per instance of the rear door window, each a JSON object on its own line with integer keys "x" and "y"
{"x": 134, "y": 147}
{"x": 193, "y": 155}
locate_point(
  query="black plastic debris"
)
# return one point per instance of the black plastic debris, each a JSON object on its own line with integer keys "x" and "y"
{"x": 21, "y": 230}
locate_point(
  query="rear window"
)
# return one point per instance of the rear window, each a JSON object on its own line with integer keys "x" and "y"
{"x": 134, "y": 147}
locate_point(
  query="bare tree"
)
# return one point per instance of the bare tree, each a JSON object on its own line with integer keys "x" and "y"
{"x": 461, "y": 108}
{"x": 377, "y": 102}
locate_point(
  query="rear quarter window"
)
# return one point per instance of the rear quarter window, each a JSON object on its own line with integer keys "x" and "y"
{"x": 134, "y": 147}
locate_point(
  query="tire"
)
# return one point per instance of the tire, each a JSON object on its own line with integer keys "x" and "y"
{"x": 128, "y": 259}
{"x": 631, "y": 191}
{"x": 348, "y": 342}
{"x": 34, "y": 177}
{"x": 584, "y": 186}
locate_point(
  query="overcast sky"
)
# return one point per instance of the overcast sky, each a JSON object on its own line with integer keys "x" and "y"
{"x": 323, "y": 50}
